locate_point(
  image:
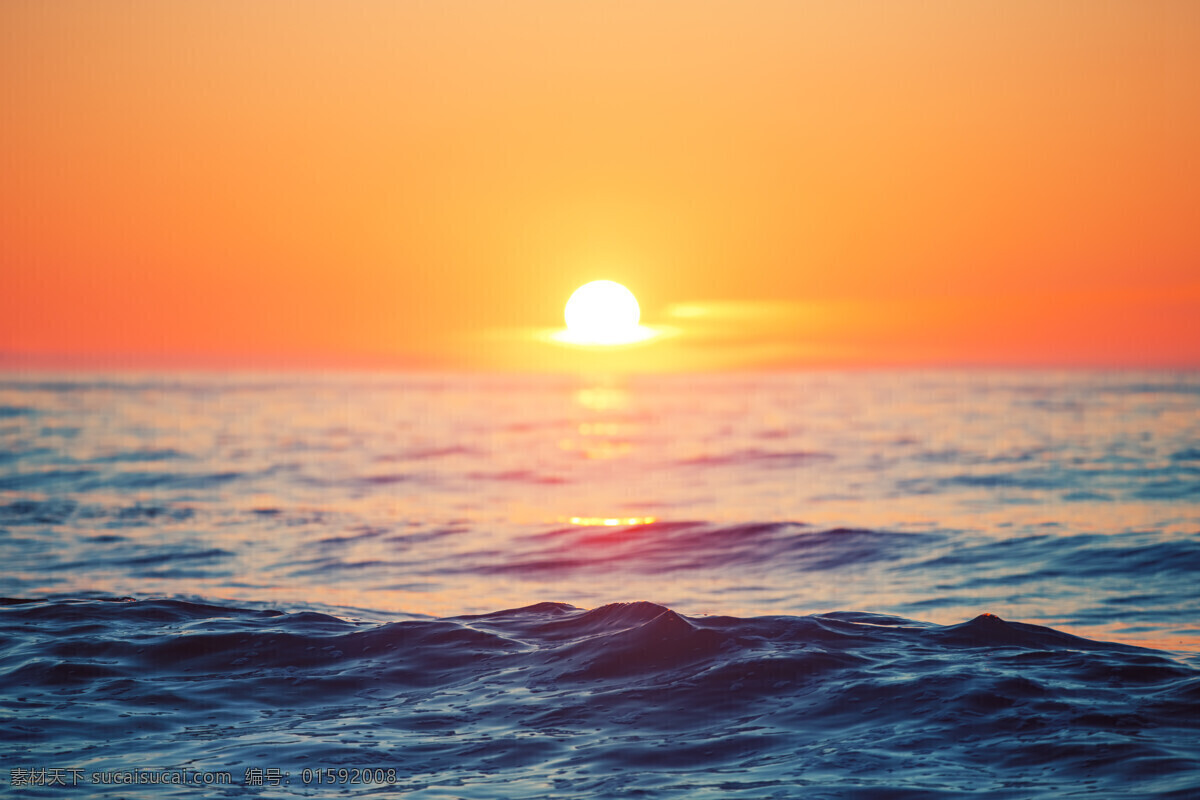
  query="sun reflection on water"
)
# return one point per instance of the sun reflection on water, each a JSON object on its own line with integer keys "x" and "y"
{"x": 610, "y": 522}
{"x": 602, "y": 397}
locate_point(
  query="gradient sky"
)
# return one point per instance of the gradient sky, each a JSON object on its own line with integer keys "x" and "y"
{"x": 424, "y": 183}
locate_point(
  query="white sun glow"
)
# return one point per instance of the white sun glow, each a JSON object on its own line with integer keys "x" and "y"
{"x": 603, "y": 313}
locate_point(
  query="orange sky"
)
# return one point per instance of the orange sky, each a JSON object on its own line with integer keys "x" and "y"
{"x": 424, "y": 183}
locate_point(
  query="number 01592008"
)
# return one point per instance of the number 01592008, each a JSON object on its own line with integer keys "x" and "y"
{"x": 346, "y": 776}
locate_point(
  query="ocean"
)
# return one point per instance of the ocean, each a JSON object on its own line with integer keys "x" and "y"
{"x": 875, "y": 584}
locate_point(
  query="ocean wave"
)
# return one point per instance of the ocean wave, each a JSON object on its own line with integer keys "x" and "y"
{"x": 138, "y": 456}
{"x": 1080, "y": 556}
{"x": 662, "y": 547}
{"x": 58, "y": 511}
{"x": 93, "y": 480}
{"x": 624, "y": 698}
{"x": 762, "y": 458}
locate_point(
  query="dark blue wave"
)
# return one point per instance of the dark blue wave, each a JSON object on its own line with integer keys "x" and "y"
{"x": 1081, "y": 556}
{"x": 662, "y": 547}
{"x": 90, "y": 480}
{"x": 625, "y": 699}
{"x": 59, "y": 511}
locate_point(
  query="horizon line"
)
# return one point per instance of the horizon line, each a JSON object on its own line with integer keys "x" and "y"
{"x": 12, "y": 362}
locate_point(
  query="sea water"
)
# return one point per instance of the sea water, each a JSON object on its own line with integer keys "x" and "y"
{"x": 871, "y": 584}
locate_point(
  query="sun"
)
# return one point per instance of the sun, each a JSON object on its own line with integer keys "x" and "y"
{"x": 603, "y": 313}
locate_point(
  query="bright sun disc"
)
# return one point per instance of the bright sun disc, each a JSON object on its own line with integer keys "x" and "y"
{"x": 603, "y": 313}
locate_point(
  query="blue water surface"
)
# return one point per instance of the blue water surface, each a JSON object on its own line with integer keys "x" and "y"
{"x": 879, "y": 584}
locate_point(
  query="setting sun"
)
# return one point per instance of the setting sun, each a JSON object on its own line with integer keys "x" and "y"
{"x": 603, "y": 313}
